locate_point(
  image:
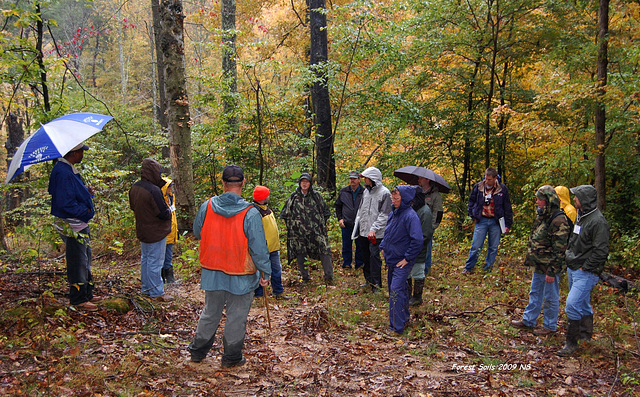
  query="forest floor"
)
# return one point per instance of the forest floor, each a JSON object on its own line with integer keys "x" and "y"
{"x": 324, "y": 341}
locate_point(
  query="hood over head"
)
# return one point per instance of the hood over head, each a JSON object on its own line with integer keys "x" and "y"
{"x": 563, "y": 194}
{"x": 588, "y": 197}
{"x": 548, "y": 194}
{"x": 305, "y": 175}
{"x": 374, "y": 174}
{"x": 407, "y": 193}
{"x": 151, "y": 171}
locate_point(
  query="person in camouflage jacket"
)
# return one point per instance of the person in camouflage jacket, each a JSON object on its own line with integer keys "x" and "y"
{"x": 306, "y": 214}
{"x": 547, "y": 245}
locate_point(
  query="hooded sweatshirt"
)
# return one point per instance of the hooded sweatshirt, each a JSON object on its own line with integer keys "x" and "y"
{"x": 153, "y": 216}
{"x": 229, "y": 204}
{"x": 549, "y": 235}
{"x": 374, "y": 208}
{"x": 589, "y": 243}
{"x": 403, "y": 237}
{"x": 565, "y": 203}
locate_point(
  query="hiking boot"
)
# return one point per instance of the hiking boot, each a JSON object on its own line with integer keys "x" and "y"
{"x": 571, "y": 344}
{"x": 329, "y": 281}
{"x": 87, "y": 307}
{"x": 96, "y": 299}
{"x": 195, "y": 359}
{"x": 168, "y": 276}
{"x": 543, "y": 331}
{"x": 586, "y": 327}
{"x": 520, "y": 324}
{"x": 163, "y": 298}
{"x": 236, "y": 364}
{"x": 467, "y": 271}
{"x": 416, "y": 298}
{"x": 282, "y": 296}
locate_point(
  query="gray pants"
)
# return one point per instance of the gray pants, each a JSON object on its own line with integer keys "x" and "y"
{"x": 237, "y": 310}
{"x": 325, "y": 260}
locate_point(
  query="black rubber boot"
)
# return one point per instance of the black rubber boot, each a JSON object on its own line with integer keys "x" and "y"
{"x": 586, "y": 327}
{"x": 168, "y": 276}
{"x": 416, "y": 298}
{"x": 571, "y": 344}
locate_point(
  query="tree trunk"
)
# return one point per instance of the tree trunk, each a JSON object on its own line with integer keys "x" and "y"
{"x": 495, "y": 28}
{"x": 121, "y": 57}
{"x": 40, "y": 56}
{"x": 600, "y": 119}
{"x": 229, "y": 69}
{"x": 178, "y": 119}
{"x": 325, "y": 160}
{"x": 15, "y": 195}
{"x": 160, "y": 109}
{"x": 159, "y": 92}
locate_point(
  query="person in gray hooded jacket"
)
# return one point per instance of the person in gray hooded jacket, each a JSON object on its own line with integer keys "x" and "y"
{"x": 586, "y": 255}
{"x": 370, "y": 223}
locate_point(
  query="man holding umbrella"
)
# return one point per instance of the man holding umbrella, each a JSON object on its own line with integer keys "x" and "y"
{"x": 72, "y": 204}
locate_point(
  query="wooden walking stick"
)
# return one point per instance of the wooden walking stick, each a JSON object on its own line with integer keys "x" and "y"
{"x": 266, "y": 305}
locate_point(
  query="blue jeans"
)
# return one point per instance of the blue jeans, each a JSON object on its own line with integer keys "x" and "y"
{"x": 168, "y": 257}
{"x": 237, "y": 310}
{"x": 347, "y": 249}
{"x": 427, "y": 262}
{"x": 484, "y": 227}
{"x": 151, "y": 260}
{"x": 276, "y": 275}
{"x": 543, "y": 293}
{"x": 398, "y": 296}
{"x": 579, "y": 299}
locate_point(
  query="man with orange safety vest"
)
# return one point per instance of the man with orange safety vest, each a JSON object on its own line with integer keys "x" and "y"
{"x": 235, "y": 260}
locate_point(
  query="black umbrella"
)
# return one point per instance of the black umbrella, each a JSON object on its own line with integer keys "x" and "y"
{"x": 411, "y": 173}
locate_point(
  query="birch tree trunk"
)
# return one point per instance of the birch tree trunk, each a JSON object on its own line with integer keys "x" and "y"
{"x": 229, "y": 69}
{"x": 178, "y": 118}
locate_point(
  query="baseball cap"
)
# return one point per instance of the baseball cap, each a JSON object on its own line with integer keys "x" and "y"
{"x": 232, "y": 173}
{"x": 354, "y": 175}
{"x": 260, "y": 193}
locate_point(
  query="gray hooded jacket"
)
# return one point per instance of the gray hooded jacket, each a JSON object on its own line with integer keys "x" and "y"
{"x": 374, "y": 208}
{"x": 589, "y": 243}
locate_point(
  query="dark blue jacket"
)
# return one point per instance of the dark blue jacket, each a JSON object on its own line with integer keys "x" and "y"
{"x": 403, "y": 235}
{"x": 501, "y": 200}
{"x": 70, "y": 198}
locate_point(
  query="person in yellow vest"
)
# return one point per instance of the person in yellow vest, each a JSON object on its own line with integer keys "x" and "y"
{"x": 172, "y": 237}
{"x": 260, "y": 199}
{"x": 565, "y": 203}
{"x": 235, "y": 260}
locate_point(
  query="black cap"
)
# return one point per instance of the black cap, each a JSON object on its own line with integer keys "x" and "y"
{"x": 305, "y": 175}
{"x": 232, "y": 173}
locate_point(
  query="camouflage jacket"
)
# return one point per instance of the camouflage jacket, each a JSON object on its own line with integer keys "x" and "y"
{"x": 306, "y": 219}
{"x": 549, "y": 236}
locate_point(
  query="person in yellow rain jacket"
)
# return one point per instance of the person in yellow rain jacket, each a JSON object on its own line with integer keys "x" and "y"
{"x": 565, "y": 203}
{"x": 172, "y": 237}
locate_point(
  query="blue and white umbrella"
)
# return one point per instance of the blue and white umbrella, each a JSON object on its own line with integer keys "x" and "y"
{"x": 55, "y": 139}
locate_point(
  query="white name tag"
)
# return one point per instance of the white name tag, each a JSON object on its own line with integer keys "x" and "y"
{"x": 172, "y": 208}
{"x": 576, "y": 229}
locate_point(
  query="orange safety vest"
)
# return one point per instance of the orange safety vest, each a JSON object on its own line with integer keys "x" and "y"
{"x": 223, "y": 244}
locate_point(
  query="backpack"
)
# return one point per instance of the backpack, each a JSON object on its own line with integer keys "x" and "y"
{"x": 558, "y": 213}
